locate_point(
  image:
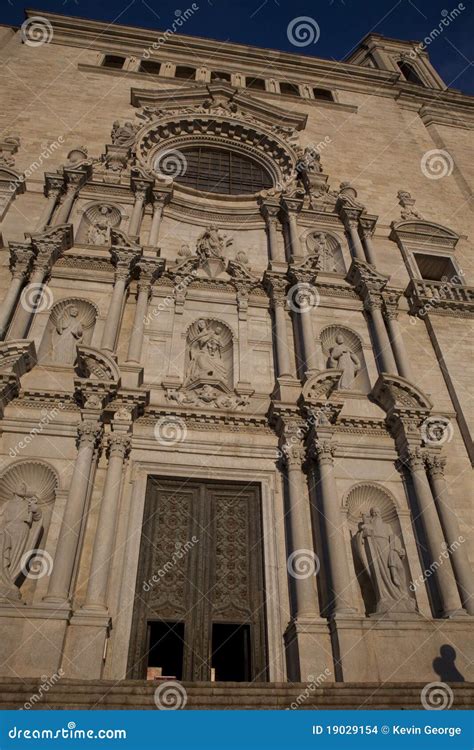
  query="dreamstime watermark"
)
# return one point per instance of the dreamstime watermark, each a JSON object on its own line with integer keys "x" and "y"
{"x": 49, "y": 415}
{"x": 180, "y": 19}
{"x": 180, "y": 552}
{"x": 44, "y": 155}
{"x": 437, "y": 696}
{"x": 302, "y": 297}
{"x": 36, "y": 31}
{"x": 170, "y": 299}
{"x": 46, "y": 684}
{"x": 436, "y": 164}
{"x": 313, "y": 684}
{"x": 170, "y": 430}
{"x": 447, "y": 18}
{"x": 303, "y": 31}
{"x": 36, "y": 564}
{"x": 171, "y": 163}
{"x": 36, "y": 297}
{"x": 303, "y": 563}
{"x": 170, "y": 696}
{"x": 437, "y": 563}
{"x": 437, "y": 430}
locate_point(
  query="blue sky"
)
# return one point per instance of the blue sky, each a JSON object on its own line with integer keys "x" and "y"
{"x": 264, "y": 23}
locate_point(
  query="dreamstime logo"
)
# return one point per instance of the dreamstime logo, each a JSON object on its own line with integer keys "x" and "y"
{"x": 302, "y": 31}
{"x": 437, "y": 696}
{"x": 436, "y": 164}
{"x": 36, "y": 31}
{"x": 447, "y": 17}
{"x": 302, "y": 297}
{"x": 303, "y": 563}
{"x": 170, "y": 696}
{"x": 437, "y": 430}
{"x": 181, "y": 16}
{"x": 170, "y": 430}
{"x": 171, "y": 163}
{"x": 45, "y": 685}
{"x": 36, "y": 563}
{"x": 36, "y": 298}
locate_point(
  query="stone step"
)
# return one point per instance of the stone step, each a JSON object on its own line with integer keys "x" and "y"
{"x": 139, "y": 695}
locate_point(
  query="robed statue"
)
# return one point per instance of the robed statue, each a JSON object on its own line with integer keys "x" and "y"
{"x": 342, "y": 358}
{"x": 19, "y": 532}
{"x": 205, "y": 354}
{"x": 380, "y": 553}
{"x": 68, "y": 333}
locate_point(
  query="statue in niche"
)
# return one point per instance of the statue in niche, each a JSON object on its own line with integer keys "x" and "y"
{"x": 342, "y": 358}
{"x": 324, "y": 252}
{"x": 205, "y": 354}
{"x": 19, "y": 531}
{"x": 99, "y": 231}
{"x": 210, "y": 243}
{"x": 381, "y": 555}
{"x": 67, "y": 334}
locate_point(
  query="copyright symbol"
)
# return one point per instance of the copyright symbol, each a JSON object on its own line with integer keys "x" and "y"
{"x": 385, "y": 729}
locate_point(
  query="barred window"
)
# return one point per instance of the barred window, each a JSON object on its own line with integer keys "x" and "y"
{"x": 216, "y": 170}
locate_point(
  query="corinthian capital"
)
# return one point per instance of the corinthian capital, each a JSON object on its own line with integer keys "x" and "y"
{"x": 89, "y": 433}
{"x": 435, "y": 464}
{"x": 118, "y": 444}
{"x": 324, "y": 451}
{"x": 414, "y": 458}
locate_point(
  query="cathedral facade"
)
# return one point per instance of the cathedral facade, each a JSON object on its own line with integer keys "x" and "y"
{"x": 235, "y": 331}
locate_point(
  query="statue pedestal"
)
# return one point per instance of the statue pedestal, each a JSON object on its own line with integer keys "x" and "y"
{"x": 308, "y": 650}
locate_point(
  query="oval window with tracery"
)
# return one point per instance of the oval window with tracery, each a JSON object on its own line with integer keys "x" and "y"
{"x": 216, "y": 170}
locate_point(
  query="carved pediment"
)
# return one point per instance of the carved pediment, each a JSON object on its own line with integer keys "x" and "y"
{"x": 96, "y": 365}
{"x": 17, "y": 357}
{"x": 394, "y": 393}
{"x": 418, "y": 232}
{"x": 219, "y": 98}
{"x": 319, "y": 387}
{"x": 364, "y": 277}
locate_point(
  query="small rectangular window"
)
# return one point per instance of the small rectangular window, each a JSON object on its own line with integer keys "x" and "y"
{"x": 323, "y": 94}
{"x": 255, "y": 83}
{"x": 184, "y": 72}
{"x": 150, "y": 66}
{"x": 113, "y": 61}
{"x": 290, "y": 89}
{"x": 220, "y": 75}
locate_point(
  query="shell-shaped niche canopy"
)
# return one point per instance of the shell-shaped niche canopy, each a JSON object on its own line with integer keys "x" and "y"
{"x": 328, "y": 250}
{"x": 87, "y": 312}
{"x": 365, "y": 496}
{"x": 328, "y": 338}
{"x": 38, "y": 477}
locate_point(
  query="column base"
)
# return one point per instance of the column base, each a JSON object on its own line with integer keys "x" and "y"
{"x": 84, "y": 650}
{"x": 455, "y": 613}
{"x": 308, "y": 649}
{"x": 287, "y": 389}
{"x": 132, "y": 374}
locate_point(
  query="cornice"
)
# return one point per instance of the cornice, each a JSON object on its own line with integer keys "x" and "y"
{"x": 130, "y": 40}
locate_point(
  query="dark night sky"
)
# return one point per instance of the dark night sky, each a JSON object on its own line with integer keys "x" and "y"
{"x": 264, "y": 23}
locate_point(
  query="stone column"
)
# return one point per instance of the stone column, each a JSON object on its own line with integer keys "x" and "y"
{"x": 291, "y": 209}
{"x": 148, "y": 271}
{"x": 141, "y": 189}
{"x": 277, "y": 288}
{"x": 299, "y": 535}
{"x": 396, "y": 341}
{"x": 449, "y": 522}
{"x": 350, "y": 218}
{"x": 96, "y": 595}
{"x": 64, "y": 210}
{"x": 124, "y": 259}
{"x": 159, "y": 201}
{"x": 449, "y": 595}
{"x": 66, "y": 551}
{"x": 20, "y": 259}
{"x": 334, "y": 529}
{"x": 31, "y": 295}
{"x": 385, "y": 356}
{"x": 366, "y": 229}
{"x": 53, "y": 189}
{"x": 270, "y": 213}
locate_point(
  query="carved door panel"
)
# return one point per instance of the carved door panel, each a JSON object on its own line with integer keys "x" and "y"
{"x": 201, "y": 565}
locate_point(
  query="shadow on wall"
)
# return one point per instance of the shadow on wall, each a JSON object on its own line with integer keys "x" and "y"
{"x": 444, "y": 665}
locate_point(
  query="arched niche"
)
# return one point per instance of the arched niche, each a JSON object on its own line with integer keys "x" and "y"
{"x": 359, "y": 503}
{"x": 71, "y": 323}
{"x": 27, "y": 493}
{"x": 209, "y": 357}
{"x": 328, "y": 249}
{"x": 97, "y": 220}
{"x": 351, "y": 339}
